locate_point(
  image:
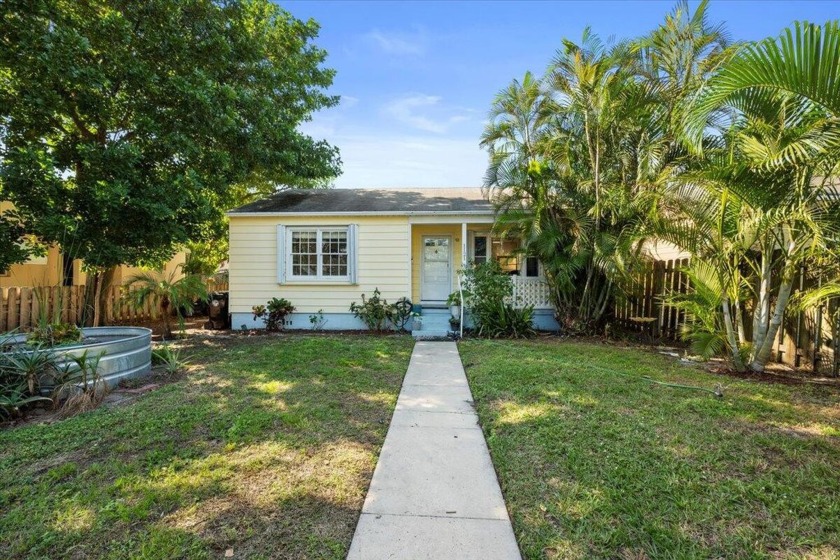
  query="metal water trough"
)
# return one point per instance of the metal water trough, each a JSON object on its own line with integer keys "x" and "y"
{"x": 126, "y": 351}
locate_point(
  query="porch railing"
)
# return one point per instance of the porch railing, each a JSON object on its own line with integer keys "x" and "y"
{"x": 530, "y": 291}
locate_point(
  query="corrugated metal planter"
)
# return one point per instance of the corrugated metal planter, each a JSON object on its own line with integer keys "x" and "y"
{"x": 126, "y": 352}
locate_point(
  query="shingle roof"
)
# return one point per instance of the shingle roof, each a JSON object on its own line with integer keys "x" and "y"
{"x": 380, "y": 201}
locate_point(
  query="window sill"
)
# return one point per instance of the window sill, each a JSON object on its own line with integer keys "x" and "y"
{"x": 317, "y": 282}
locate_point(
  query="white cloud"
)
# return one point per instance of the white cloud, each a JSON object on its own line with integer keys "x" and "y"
{"x": 399, "y": 44}
{"x": 423, "y": 112}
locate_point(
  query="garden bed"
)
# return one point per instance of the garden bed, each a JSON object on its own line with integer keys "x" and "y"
{"x": 122, "y": 352}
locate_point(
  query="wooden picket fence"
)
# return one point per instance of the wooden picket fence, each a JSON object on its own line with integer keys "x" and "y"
{"x": 24, "y": 307}
{"x": 645, "y": 308}
{"x": 807, "y": 338}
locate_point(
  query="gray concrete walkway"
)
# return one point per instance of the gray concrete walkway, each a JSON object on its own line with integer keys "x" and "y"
{"x": 434, "y": 493}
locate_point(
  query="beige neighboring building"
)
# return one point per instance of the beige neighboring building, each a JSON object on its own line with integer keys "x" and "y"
{"x": 54, "y": 270}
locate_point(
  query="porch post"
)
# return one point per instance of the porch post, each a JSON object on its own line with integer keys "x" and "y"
{"x": 409, "y": 294}
{"x": 463, "y": 245}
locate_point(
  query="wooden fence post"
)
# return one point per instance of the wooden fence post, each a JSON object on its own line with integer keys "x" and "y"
{"x": 658, "y": 283}
{"x": 12, "y": 308}
{"x": 25, "y": 308}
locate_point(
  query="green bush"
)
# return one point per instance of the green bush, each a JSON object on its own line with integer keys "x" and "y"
{"x": 487, "y": 291}
{"x": 274, "y": 313}
{"x": 54, "y": 334}
{"x": 379, "y": 315}
{"x": 373, "y": 311}
{"x": 21, "y": 369}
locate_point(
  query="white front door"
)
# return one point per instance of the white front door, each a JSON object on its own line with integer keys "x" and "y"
{"x": 437, "y": 269}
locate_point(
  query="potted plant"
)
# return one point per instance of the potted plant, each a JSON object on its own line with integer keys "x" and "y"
{"x": 454, "y": 303}
{"x": 416, "y": 321}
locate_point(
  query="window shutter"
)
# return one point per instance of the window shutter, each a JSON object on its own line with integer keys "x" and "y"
{"x": 281, "y": 254}
{"x": 353, "y": 252}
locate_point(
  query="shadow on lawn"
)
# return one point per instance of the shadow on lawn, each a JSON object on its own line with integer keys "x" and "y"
{"x": 594, "y": 465}
{"x": 269, "y": 451}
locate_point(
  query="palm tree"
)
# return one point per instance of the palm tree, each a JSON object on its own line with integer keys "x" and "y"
{"x": 580, "y": 159}
{"x": 784, "y": 112}
{"x": 549, "y": 159}
{"x": 172, "y": 292}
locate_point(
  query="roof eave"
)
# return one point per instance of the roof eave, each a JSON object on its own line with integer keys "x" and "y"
{"x": 233, "y": 214}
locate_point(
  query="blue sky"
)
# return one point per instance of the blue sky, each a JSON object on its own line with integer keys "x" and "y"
{"x": 417, "y": 78}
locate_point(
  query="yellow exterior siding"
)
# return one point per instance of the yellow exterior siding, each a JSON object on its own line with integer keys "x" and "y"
{"x": 38, "y": 272}
{"x": 383, "y": 262}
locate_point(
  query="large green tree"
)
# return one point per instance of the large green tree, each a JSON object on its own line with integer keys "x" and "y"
{"x": 125, "y": 124}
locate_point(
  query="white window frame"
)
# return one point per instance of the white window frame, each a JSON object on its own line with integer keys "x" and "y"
{"x": 488, "y": 249}
{"x": 287, "y": 234}
{"x": 523, "y": 271}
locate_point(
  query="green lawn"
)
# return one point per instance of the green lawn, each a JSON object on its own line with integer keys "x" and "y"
{"x": 266, "y": 449}
{"x": 598, "y": 465}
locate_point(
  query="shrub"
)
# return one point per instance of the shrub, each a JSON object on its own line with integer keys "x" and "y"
{"x": 379, "y": 315}
{"x": 454, "y": 299}
{"x": 274, "y": 313}
{"x": 373, "y": 311}
{"x": 487, "y": 291}
{"x": 318, "y": 320}
{"x": 503, "y": 320}
{"x": 55, "y": 334}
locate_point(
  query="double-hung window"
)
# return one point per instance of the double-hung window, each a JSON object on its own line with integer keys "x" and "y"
{"x": 480, "y": 248}
{"x": 318, "y": 253}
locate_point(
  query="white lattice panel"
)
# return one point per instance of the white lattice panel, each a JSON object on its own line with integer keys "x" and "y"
{"x": 530, "y": 291}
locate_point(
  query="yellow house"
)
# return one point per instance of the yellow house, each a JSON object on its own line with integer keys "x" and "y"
{"x": 323, "y": 249}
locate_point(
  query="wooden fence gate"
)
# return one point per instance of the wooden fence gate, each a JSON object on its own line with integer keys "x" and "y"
{"x": 646, "y": 308}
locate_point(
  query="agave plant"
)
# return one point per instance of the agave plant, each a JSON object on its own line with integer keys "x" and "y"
{"x": 29, "y": 364}
{"x": 13, "y": 398}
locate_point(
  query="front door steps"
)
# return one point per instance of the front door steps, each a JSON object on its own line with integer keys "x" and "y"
{"x": 435, "y": 325}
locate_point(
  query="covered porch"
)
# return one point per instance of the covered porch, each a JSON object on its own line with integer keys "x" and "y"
{"x": 442, "y": 247}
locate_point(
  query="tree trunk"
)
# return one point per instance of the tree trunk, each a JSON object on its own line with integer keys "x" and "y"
{"x": 734, "y": 348}
{"x": 761, "y": 355}
{"x": 89, "y": 302}
{"x": 739, "y": 323}
{"x": 102, "y": 281}
{"x": 97, "y": 299}
{"x": 167, "y": 326}
{"x": 762, "y": 309}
